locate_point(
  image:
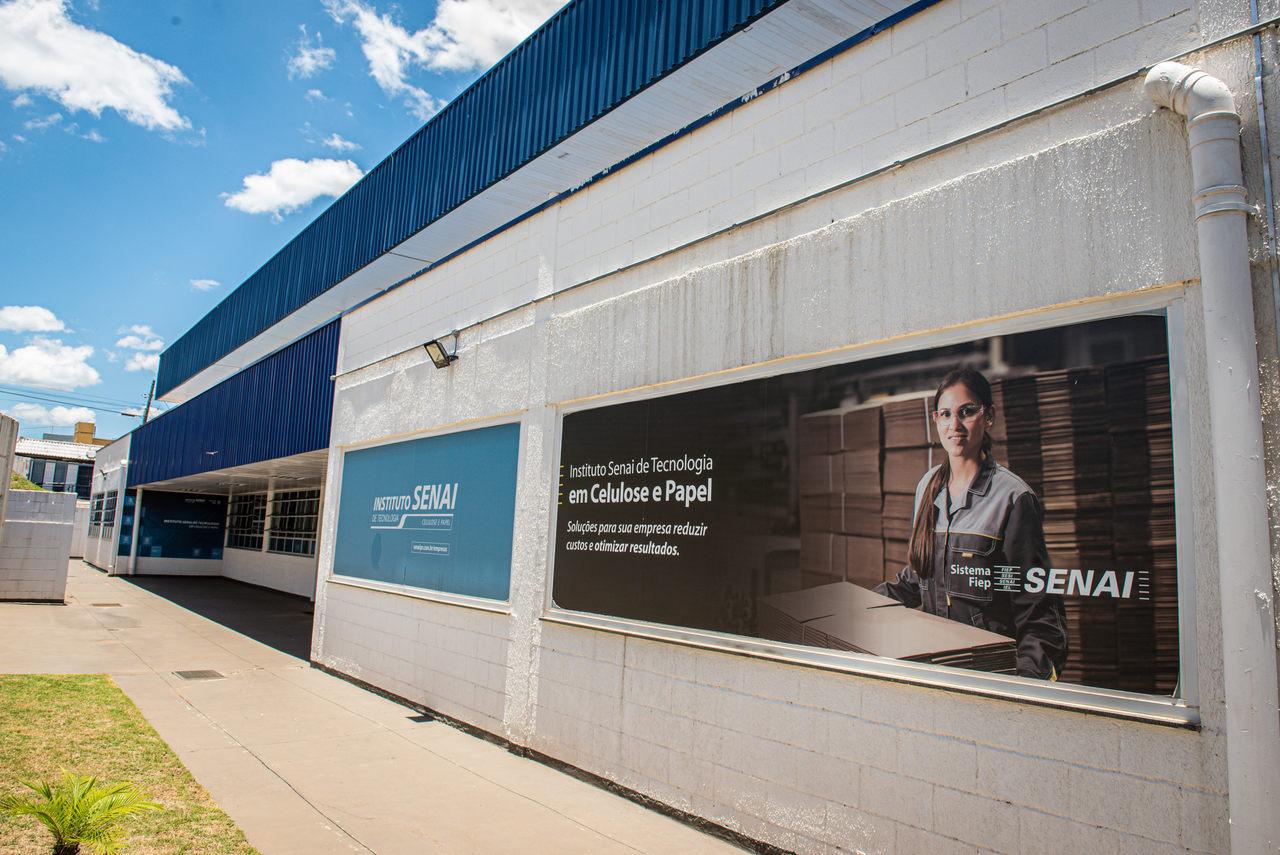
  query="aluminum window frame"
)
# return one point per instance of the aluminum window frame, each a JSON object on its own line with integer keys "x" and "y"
{"x": 1181, "y": 709}
{"x": 95, "y": 515}
{"x": 274, "y": 535}
{"x": 231, "y": 532}
{"x": 110, "y": 504}
{"x": 485, "y": 604}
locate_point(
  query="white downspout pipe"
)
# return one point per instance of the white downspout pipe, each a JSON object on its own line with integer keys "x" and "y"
{"x": 1235, "y": 417}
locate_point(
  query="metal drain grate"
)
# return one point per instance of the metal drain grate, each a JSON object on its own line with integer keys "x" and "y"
{"x": 200, "y": 675}
{"x": 105, "y": 605}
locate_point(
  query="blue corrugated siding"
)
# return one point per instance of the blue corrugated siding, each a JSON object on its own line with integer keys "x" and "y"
{"x": 589, "y": 58}
{"x": 274, "y": 408}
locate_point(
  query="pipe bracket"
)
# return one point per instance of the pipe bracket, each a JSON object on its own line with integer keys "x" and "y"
{"x": 1222, "y": 198}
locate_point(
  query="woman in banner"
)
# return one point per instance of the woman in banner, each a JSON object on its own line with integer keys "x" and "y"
{"x": 978, "y": 528}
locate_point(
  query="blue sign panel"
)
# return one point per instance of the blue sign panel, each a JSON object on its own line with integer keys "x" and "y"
{"x": 126, "y": 523}
{"x": 436, "y": 512}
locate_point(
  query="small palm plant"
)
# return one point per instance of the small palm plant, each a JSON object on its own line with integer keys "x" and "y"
{"x": 80, "y": 812}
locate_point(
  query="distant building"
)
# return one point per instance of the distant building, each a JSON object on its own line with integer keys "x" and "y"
{"x": 63, "y": 464}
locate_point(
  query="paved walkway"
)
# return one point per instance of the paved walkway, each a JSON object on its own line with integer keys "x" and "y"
{"x": 305, "y": 762}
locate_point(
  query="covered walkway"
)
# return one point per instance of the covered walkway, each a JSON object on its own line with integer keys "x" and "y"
{"x": 302, "y": 761}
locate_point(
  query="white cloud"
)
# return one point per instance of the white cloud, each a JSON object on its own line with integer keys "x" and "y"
{"x": 316, "y": 95}
{"x": 478, "y": 33}
{"x": 139, "y": 337}
{"x": 337, "y": 143}
{"x": 464, "y": 35}
{"x": 291, "y": 184}
{"x": 38, "y": 415}
{"x": 143, "y": 362}
{"x": 19, "y": 138}
{"x": 42, "y": 49}
{"x": 23, "y": 100}
{"x": 41, "y": 124}
{"x": 310, "y": 57}
{"x": 135, "y": 342}
{"x": 47, "y": 363}
{"x": 204, "y": 284}
{"x": 29, "y": 319}
{"x": 94, "y": 136}
{"x": 139, "y": 329}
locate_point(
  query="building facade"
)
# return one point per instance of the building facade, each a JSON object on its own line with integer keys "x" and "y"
{"x": 59, "y": 465}
{"x": 653, "y": 517}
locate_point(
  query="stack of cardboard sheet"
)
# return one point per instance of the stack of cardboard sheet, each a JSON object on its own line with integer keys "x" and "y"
{"x": 1143, "y": 514}
{"x": 1075, "y": 448}
{"x": 1018, "y": 414}
{"x": 909, "y": 452}
{"x": 844, "y": 616}
{"x": 998, "y": 431}
{"x": 863, "y": 500}
{"x": 840, "y": 496}
{"x": 821, "y": 482}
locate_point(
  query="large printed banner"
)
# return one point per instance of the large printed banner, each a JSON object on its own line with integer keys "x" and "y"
{"x": 436, "y": 512}
{"x": 1004, "y": 505}
{"x": 176, "y": 525}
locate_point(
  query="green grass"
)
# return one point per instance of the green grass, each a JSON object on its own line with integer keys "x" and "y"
{"x": 83, "y": 723}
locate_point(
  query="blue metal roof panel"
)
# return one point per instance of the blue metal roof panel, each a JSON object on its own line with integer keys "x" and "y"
{"x": 278, "y": 407}
{"x": 586, "y": 60}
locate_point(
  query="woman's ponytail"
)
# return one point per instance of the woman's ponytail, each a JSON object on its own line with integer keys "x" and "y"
{"x": 920, "y": 551}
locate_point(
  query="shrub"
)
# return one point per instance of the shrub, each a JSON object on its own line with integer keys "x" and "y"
{"x": 79, "y": 811}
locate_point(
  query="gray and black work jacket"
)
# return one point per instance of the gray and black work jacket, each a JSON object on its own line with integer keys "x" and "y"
{"x": 982, "y": 550}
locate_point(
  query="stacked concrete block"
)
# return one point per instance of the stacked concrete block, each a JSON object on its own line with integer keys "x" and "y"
{"x": 36, "y": 545}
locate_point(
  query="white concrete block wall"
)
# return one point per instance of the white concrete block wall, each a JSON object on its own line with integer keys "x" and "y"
{"x": 36, "y": 545}
{"x": 1083, "y": 205}
{"x": 292, "y": 574}
{"x": 808, "y": 759}
{"x": 951, "y": 70}
{"x": 446, "y": 657}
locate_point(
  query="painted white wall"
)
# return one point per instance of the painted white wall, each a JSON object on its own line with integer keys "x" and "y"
{"x": 80, "y": 530}
{"x": 449, "y": 658}
{"x": 146, "y": 566}
{"x": 110, "y": 472}
{"x": 293, "y": 574}
{"x": 1086, "y": 204}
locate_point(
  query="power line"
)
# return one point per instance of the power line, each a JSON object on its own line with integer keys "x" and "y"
{"x": 100, "y": 400}
{"x": 83, "y": 402}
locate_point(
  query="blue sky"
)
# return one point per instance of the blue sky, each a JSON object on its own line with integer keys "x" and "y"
{"x": 153, "y": 155}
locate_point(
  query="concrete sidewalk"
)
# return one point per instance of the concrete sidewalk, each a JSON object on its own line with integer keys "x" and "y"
{"x": 307, "y": 763}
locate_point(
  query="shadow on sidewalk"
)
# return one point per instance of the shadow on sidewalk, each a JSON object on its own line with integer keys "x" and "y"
{"x": 277, "y": 620}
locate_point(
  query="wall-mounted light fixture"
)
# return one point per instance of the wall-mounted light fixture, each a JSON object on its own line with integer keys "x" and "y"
{"x": 440, "y": 355}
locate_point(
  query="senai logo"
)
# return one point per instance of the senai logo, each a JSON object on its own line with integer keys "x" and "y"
{"x": 1117, "y": 584}
{"x": 426, "y": 497}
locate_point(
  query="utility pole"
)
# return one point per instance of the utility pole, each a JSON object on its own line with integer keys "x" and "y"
{"x": 146, "y": 414}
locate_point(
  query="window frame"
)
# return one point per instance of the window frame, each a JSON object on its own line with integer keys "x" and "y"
{"x": 258, "y": 512}
{"x": 1181, "y": 709}
{"x": 307, "y": 537}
